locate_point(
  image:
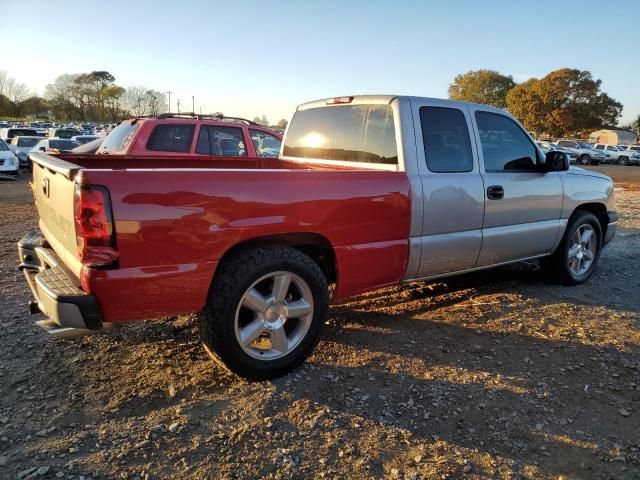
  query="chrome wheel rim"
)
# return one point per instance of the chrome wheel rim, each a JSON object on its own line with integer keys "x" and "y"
{"x": 274, "y": 315}
{"x": 582, "y": 250}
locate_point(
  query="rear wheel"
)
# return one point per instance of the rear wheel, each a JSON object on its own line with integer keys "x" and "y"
{"x": 265, "y": 311}
{"x": 576, "y": 257}
{"x": 585, "y": 159}
{"x": 623, "y": 160}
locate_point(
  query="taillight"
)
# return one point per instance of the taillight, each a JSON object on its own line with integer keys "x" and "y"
{"x": 94, "y": 226}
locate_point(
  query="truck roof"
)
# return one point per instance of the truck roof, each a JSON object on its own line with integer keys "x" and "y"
{"x": 386, "y": 99}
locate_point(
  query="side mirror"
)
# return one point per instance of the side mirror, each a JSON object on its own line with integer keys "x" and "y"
{"x": 555, "y": 161}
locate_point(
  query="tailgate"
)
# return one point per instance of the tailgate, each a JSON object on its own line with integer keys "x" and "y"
{"x": 53, "y": 189}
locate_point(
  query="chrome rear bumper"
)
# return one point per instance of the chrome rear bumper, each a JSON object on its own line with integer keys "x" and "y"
{"x": 71, "y": 312}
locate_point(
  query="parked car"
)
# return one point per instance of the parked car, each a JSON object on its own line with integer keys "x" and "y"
{"x": 618, "y": 155}
{"x": 47, "y": 144}
{"x": 82, "y": 139}
{"x": 65, "y": 133}
{"x": 21, "y": 146}
{"x": 8, "y": 133}
{"x": 9, "y": 163}
{"x": 633, "y": 150}
{"x": 583, "y": 151}
{"x": 369, "y": 191}
{"x": 193, "y": 136}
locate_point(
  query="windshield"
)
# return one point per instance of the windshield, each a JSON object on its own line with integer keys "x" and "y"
{"x": 27, "y": 142}
{"x": 63, "y": 144}
{"x": 17, "y": 132}
{"x": 584, "y": 145}
{"x": 352, "y": 133}
{"x": 66, "y": 133}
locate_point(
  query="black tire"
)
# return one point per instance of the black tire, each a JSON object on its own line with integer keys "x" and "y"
{"x": 557, "y": 265}
{"x": 585, "y": 159}
{"x": 232, "y": 279}
{"x": 623, "y": 160}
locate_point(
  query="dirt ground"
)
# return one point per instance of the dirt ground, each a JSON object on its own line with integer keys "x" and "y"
{"x": 491, "y": 375}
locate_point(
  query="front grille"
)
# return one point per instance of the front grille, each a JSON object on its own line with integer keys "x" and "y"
{"x": 1, "y": 162}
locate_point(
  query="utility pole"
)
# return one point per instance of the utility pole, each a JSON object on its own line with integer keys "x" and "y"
{"x": 178, "y": 106}
{"x": 169, "y": 109}
{"x": 193, "y": 104}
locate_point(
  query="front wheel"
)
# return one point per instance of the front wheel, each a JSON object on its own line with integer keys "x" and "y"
{"x": 585, "y": 159}
{"x": 265, "y": 311}
{"x": 623, "y": 161}
{"x": 576, "y": 257}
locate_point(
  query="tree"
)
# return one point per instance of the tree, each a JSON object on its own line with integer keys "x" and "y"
{"x": 482, "y": 86}
{"x": 155, "y": 102}
{"x": 282, "y": 123}
{"x": 564, "y": 101}
{"x": 634, "y": 126}
{"x": 34, "y": 106}
{"x": 134, "y": 100}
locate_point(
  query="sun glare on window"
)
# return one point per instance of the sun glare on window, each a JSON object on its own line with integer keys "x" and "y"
{"x": 313, "y": 140}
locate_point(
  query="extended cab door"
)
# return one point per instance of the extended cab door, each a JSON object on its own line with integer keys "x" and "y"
{"x": 452, "y": 189}
{"x": 522, "y": 204}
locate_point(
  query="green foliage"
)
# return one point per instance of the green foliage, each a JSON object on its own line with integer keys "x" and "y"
{"x": 564, "y": 101}
{"x": 634, "y": 126}
{"x": 482, "y": 86}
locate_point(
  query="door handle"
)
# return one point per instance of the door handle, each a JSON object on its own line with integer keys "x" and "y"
{"x": 495, "y": 192}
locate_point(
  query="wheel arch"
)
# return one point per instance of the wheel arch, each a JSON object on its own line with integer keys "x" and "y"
{"x": 315, "y": 246}
{"x": 597, "y": 209}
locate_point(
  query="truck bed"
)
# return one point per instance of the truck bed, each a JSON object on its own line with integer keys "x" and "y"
{"x": 70, "y": 164}
{"x": 175, "y": 218}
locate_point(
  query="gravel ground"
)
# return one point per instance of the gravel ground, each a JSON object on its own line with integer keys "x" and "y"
{"x": 491, "y": 375}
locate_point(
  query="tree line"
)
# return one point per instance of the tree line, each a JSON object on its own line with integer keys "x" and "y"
{"x": 92, "y": 96}
{"x": 565, "y": 101}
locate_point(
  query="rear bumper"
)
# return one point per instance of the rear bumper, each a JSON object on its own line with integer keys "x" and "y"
{"x": 611, "y": 227}
{"x": 56, "y": 291}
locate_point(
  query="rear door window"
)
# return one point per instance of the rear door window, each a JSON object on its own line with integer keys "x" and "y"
{"x": 171, "y": 137}
{"x": 221, "y": 141}
{"x": 505, "y": 147}
{"x": 348, "y": 133}
{"x": 447, "y": 146}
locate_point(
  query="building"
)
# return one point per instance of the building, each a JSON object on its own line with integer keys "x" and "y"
{"x": 614, "y": 136}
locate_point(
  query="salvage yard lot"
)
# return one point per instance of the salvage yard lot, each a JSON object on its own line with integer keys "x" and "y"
{"x": 493, "y": 374}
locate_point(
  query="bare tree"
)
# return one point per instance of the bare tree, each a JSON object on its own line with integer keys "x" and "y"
{"x": 155, "y": 102}
{"x": 135, "y": 100}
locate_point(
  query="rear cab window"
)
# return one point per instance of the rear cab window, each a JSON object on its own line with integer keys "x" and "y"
{"x": 343, "y": 133}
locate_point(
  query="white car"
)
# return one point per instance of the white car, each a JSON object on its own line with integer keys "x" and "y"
{"x": 54, "y": 144}
{"x": 21, "y": 146}
{"x": 82, "y": 139}
{"x": 619, "y": 154}
{"x": 9, "y": 163}
{"x": 634, "y": 151}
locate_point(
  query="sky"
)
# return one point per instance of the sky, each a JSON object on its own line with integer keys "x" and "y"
{"x": 256, "y": 57}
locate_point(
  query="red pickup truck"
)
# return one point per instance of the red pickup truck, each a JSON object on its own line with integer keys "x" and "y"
{"x": 368, "y": 191}
{"x": 170, "y": 134}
